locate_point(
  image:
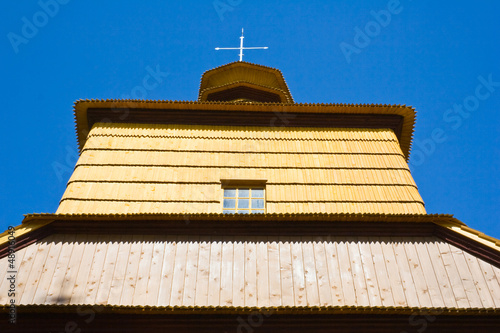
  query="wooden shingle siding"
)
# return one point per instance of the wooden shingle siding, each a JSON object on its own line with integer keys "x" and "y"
{"x": 256, "y": 271}
{"x": 132, "y": 168}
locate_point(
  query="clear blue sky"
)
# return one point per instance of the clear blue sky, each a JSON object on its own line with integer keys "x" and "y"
{"x": 428, "y": 54}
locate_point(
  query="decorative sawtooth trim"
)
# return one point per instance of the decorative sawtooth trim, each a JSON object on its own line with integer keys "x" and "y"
{"x": 237, "y": 152}
{"x": 324, "y": 310}
{"x": 138, "y": 200}
{"x": 218, "y": 183}
{"x": 268, "y": 201}
{"x": 240, "y": 138}
{"x": 408, "y": 113}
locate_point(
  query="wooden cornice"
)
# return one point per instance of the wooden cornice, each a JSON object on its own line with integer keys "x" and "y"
{"x": 88, "y": 318}
{"x": 320, "y": 225}
{"x": 400, "y": 119}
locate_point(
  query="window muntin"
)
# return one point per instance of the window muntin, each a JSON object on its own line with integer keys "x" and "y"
{"x": 243, "y": 200}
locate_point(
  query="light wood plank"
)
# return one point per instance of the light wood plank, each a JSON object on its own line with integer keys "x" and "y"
{"x": 325, "y": 296}
{"x": 346, "y": 273}
{"x": 239, "y": 272}
{"x": 491, "y": 281}
{"x": 334, "y": 272}
{"x": 299, "y": 292}
{"x": 441, "y": 274}
{"x": 263, "y": 293}
{"x": 179, "y": 272}
{"x": 189, "y": 293}
{"x": 49, "y": 266}
{"x": 419, "y": 248}
{"x": 108, "y": 270}
{"x": 132, "y": 270}
{"x": 496, "y": 270}
{"x": 5, "y": 273}
{"x": 369, "y": 271}
{"x": 274, "y": 272}
{"x": 120, "y": 270}
{"x": 358, "y": 274}
{"x": 214, "y": 283}
{"x": 453, "y": 274}
{"x": 167, "y": 273}
{"x": 144, "y": 272}
{"x": 311, "y": 280}
{"x": 84, "y": 267}
{"x": 383, "y": 279}
{"x": 155, "y": 272}
{"x": 466, "y": 277}
{"x": 400, "y": 277}
{"x": 227, "y": 264}
{"x": 71, "y": 273}
{"x": 479, "y": 280}
{"x": 96, "y": 269}
{"x": 251, "y": 271}
{"x": 203, "y": 273}
{"x": 407, "y": 257}
{"x": 36, "y": 270}
{"x": 286, "y": 270}
{"x": 61, "y": 268}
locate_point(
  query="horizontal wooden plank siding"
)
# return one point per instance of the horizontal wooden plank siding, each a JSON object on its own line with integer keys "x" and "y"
{"x": 133, "y": 168}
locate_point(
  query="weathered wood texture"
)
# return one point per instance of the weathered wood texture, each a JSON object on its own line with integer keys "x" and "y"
{"x": 133, "y": 168}
{"x": 165, "y": 270}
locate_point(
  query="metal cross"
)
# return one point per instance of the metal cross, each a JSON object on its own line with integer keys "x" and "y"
{"x": 241, "y": 48}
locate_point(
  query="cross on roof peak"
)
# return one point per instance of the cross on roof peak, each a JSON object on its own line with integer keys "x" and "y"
{"x": 241, "y": 48}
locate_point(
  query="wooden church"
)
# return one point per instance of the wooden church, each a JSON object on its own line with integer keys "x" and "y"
{"x": 246, "y": 212}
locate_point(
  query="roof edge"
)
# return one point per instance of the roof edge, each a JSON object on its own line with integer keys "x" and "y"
{"x": 407, "y": 113}
{"x": 321, "y": 310}
{"x": 33, "y": 222}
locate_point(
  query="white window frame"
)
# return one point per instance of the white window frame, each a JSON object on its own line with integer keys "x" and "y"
{"x": 236, "y": 198}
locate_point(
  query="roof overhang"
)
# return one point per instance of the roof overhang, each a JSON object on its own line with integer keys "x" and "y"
{"x": 399, "y": 118}
{"x": 446, "y": 227}
{"x": 109, "y": 318}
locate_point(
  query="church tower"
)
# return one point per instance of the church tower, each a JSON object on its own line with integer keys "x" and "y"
{"x": 244, "y": 211}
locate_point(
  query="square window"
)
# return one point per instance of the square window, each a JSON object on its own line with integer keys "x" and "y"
{"x": 257, "y": 193}
{"x": 229, "y": 203}
{"x": 244, "y": 200}
{"x": 257, "y": 203}
{"x": 243, "y": 203}
{"x": 229, "y": 193}
{"x": 243, "y": 193}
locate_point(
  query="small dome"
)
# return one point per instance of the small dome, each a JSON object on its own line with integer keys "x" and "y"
{"x": 240, "y": 80}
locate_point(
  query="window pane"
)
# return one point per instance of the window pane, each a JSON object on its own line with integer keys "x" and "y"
{"x": 258, "y": 211}
{"x": 243, "y": 203}
{"x": 243, "y": 193}
{"x": 229, "y": 203}
{"x": 244, "y": 211}
{"x": 230, "y": 192}
{"x": 257, "y": 193}
{"x": 229, "y": 211}
{"x": 257, "y": 203}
